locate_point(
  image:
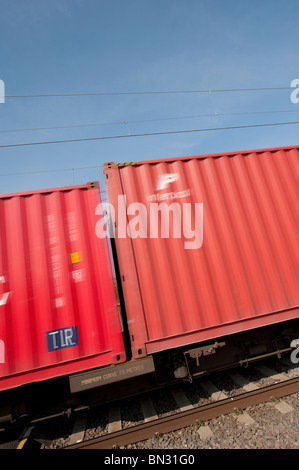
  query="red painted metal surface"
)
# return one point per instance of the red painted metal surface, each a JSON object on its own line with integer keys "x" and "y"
{"x": 244, "y": 275}
{"x": 58, "y": 307}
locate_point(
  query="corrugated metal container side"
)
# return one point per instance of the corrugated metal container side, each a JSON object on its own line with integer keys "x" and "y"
{"x": 58, "y": 307}
{"x": 241, "y": 275}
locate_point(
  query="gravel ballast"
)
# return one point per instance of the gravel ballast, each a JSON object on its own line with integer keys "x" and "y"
{"x": 268, "y": 428}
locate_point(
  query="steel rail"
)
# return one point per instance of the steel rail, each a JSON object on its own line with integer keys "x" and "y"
{"x": 186, "y": 418}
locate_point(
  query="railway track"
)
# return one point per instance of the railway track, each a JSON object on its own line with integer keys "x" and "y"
{"x": 125, "y": 422}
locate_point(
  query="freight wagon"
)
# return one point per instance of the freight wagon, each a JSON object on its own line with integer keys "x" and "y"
{"x": 58, "y": 306}
{"x": 209, "y": 248}
{"x": 205, "y": 253}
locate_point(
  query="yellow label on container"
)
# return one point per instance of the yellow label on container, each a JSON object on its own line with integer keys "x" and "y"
{"x": 75, "y": 257}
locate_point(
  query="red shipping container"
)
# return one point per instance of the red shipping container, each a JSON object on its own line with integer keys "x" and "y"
{"x": 230, "y": 262}
{"x": 58, "y": 307}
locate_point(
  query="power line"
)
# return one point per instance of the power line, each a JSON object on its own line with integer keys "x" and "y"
{"x": 52, "y": 171}
{"x": 63, "y": 127}
{"x": 44, "y": 95}
{"x": 149, "y": 134}
{"x": 138, "y": 121}
{"x": 55, "y": 170}
{"x": 49, "y": 170}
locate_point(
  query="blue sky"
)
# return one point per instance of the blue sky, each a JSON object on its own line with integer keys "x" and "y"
{"x": 90, "y": 46}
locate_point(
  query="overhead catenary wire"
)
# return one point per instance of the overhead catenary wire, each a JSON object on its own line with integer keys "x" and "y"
{"x": 140, "y": 121}
{"x": 55, "y": 170}
{"x": 49, "y": 170}
{"x": 87, "y": 139}
{"x": 153, "y": 92}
